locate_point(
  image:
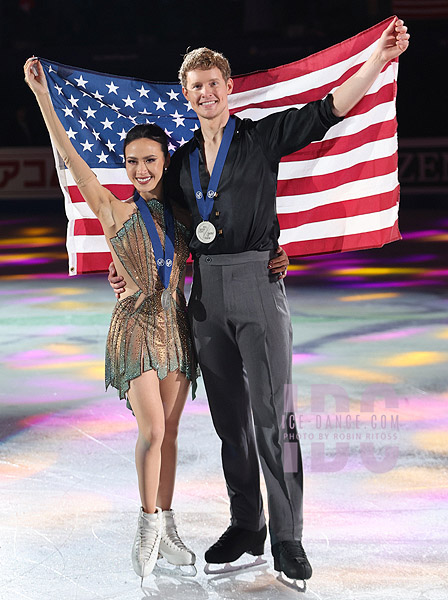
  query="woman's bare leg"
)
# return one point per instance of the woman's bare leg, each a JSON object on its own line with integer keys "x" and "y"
{"x": 174, "y": 390}
{"x": 145, "y": 398}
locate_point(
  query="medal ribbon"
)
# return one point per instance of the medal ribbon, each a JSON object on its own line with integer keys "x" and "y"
{"x": 164, "y": 258}
{"x": 205, "y": 205}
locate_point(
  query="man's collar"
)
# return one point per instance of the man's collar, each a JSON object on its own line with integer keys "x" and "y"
{"x": 198, "y": 137}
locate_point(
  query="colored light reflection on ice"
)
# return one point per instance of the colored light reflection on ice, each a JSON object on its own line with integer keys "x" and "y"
{"x": 414, "y": 359}
{"x": 388, "y": 335}
{"x": 353, "y": 374}
{"x": 303, "y": 358}
{"x": 368, "y": 297}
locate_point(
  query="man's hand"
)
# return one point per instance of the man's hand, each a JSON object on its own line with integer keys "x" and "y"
{"x": 394, "y": 41}
{"x": 279, "y": 264}
{"x": 117, "y": 283}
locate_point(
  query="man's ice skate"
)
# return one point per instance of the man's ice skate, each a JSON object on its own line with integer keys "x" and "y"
{"x": 233, "y": 543}
{"x": 292, "y": 563}
{"x": 146, "y": 542}
{"x": 181, "y": 559}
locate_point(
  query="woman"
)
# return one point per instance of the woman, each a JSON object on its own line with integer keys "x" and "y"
{"x": 149, "y": 354}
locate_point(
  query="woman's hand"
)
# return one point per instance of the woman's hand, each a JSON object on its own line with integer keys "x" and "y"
{"x": 279, "y": 264}
{"x": 35, "y": 76}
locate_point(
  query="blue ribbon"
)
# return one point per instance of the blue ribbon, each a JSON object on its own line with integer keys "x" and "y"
{"x": 164, "y": 258}
{"x": 205, "y": 205}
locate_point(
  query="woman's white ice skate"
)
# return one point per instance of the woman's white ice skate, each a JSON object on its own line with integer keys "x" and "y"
{"x": 173, "y": 550}
{"x": 146, "y": 542}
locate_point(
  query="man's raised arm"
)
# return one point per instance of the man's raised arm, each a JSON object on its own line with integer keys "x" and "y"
{"x": 393, "y": 42}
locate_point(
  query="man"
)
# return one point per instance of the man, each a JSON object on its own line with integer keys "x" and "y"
{"x": 226, "y": 176}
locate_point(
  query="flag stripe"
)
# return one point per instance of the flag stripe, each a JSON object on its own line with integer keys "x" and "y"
{"x": 345, "y": 243}
{"x": 339, "y": 210}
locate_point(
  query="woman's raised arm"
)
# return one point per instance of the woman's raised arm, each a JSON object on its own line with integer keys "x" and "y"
{"x": 97, "y": 197}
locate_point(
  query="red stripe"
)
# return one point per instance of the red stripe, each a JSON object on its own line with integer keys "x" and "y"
{"x": 87, "y": 227}
{"x": 340, "y": 210}
{"x": 359, "y": 241}
{"x": 324, "y": 58}
{"x": 93, "y": 262}
{"x": 365, "y": 170}
{"x": 339, "y": 145}
{"x": 385, "y": 94}
{"x": 122, "y": 191}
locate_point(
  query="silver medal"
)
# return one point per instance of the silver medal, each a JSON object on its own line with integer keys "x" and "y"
{"x": 205, "y": 232}
{"x": 166, "y": 299}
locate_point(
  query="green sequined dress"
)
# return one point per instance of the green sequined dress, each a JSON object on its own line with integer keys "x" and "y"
{"x": 142, "y": 335}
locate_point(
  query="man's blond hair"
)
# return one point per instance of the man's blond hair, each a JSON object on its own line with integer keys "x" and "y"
{"x": 204, "y": 59}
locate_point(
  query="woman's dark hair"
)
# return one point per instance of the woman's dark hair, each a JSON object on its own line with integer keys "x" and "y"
{"x": 149, "y": 131}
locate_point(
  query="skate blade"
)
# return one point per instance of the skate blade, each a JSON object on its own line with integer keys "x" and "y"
{"x": 292, "y": 583}
{"x": 175, "y": 570}
{"x": 229, "y": 568}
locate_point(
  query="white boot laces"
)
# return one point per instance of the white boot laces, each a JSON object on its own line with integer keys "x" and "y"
{"x": 147, "y": 532}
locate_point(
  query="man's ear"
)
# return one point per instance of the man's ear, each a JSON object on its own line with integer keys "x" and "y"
{"x": 185, "y": 92}
{"x": 229, "y": 84}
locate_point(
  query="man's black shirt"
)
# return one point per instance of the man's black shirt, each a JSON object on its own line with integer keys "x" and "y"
{"x": 244, "y": 212}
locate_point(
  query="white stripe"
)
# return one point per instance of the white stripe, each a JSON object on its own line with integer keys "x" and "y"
{"x": 105, "y": 176}
{"x": 90, "y": 243}
{"x": 80, "y": 210}
{"x": 325, "y": 165}
{"x": 348, "y": 191}
{"x": 386, "y": 77}
{"x": 340, "y": 227}
{"x": 301, "y": 84}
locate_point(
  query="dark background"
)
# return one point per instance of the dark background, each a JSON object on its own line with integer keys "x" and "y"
{"x": 148, "y": 39}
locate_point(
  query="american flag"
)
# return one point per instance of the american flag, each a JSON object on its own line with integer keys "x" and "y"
{"x": 334, "y": 195}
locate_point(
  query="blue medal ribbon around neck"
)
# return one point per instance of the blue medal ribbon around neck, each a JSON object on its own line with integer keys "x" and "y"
{"x": 205, "y": 205}
{"x": 164, "y": 258}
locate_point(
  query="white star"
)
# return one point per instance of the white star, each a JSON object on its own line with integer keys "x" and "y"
{"x": 97, "y": 95}
{"x": 173, "y": 95}
{"x": 128, "y": 101}
{"x": 143, "y": 112}
{"x": 168, "y": 133}
{"x": 195, "y": 127}
{"x": 59, "y": 89}
{"x": 188, "y": 105}
{"x": 178, "y": 119}
{"x": 122, "y": 134}
{"x": 81, "y": 81}
{"x": 72, "y": 134}
{"x": 171, "y": 147}
{"x": 102, "y": 157}
{"x": 68, "y": 112}
{"x": 111, "y": 146}
{"x": 112, "y": 87}
{"x": 182, "y": 141}
{"x": 96, "y": 135}
{"x": 160, "y": 105}
{"x": 50, "y": 69}
{"x": 82, "y": 123}
{"x": 90, "y": 112}
{"x": 86, "y": 146}
{"x": 73, "y": 101}
{"x": 69, "y": 83}
{"x": 115, "y": 108}
{"x": 133, "y": 119}
{"x": 107, "y": 124}
{"x": 143, "y": 92}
